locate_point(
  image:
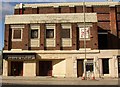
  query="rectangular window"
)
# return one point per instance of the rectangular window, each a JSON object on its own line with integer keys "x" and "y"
{"x": 82, "y": 33}
{"x": 17, "y": 34}
{"x": 34, "y": 33}
{"x": 65, "y": 33}
{"x": 49, "y": 33}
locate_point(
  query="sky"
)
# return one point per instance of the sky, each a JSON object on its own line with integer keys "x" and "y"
{"x": 7, "y": 8}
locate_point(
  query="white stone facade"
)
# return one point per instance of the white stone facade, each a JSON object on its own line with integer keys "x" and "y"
{"x": 65, "y": 65}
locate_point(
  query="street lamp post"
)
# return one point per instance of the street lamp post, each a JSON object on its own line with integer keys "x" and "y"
{"x": 85, "y": 60}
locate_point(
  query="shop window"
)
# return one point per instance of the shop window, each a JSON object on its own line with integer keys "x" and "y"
{"x": 49, "y": 33}
{"x": 65, "y": 33}
{"x": 34, "y": 33}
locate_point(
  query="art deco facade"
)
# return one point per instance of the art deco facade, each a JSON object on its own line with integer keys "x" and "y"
{"x": 48, "y": 40}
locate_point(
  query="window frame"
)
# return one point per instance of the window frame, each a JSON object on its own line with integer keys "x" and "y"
{"x": 35, "y": 40}
{"x": 13, "y": 29}
{"x": 69, "y": 33}
{"x": 50, "y": 26}
{"x": 37, "y": 34}
{"x": 53, "y": 34}
{"x": 50, "y": 42}
{"x": 67, "y": 42}
{"x": 35, "y": 27}
{"x": 67, "y": 26}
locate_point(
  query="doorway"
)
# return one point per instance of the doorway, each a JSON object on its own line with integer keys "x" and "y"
{"x": 80, "y": 67}
{"x": 45, "y": 68}
{"x": 105, "y": 65}
{"x": 16, "y": 68}
{"x": 119, "y": 67}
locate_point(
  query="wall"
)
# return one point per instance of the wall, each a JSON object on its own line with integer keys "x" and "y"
{"x": 108, "y": 19}
{"x": 24, "y": 44}
{"x": 59, "y": 68}
{"x": 29, "y": 68}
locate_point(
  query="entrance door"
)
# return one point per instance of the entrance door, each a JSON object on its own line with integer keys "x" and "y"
{"x": 79, "y": 68}
{"x": 45, "y": 68}
{"x": 105, "y": 65}
{"x": 16, "y": 68}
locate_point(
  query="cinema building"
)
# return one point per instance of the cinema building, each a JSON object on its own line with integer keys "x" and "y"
{"x": 48, "y": 40}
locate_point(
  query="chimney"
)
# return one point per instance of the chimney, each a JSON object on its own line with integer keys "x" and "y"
{"x": 21, "y": 8}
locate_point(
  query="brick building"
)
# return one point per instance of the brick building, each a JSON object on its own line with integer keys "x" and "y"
{"x": 48, "y": 40}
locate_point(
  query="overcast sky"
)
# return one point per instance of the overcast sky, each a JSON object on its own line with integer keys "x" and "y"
{"x": 7, "y": 8}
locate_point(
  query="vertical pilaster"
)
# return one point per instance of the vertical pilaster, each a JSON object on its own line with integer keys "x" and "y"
{"x": 96, "y": 67}
{"x": 58, "y": 40}
{"x": 115, "y": 66}
{"x": 42, "y": 36}
{"x": 7, "y": 39}
{"x": 74, "y": 67}
{"x": 5, "y": 67}
{"x": 111, "y": 67}
{"x": 74, "y": 36}
{"x": 26, "y": 37}
{"x": 101, "y": 68}
{"x": 94, "y": 36}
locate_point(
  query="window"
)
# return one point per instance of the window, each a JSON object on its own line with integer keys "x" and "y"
{"x": 34, "y": 33}
{"x": 17, "y": 31}
{"x": 49, "y": 33}
{"x": 50, "y": 40}
{"x": 65, "y": 33}
{"x": 82, "y": 33}
{"x": 17, "y": 34}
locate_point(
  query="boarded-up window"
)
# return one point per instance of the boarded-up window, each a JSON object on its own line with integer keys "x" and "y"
{"x": 49, "y": 33}
{"x": 65, "y": 33}
{"x": 34, "y": 33}
{"x": 84, "y": 33}
{"x": 17, "y": 34}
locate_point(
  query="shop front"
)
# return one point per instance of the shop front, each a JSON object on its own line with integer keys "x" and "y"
{"x": 14, "y": 64}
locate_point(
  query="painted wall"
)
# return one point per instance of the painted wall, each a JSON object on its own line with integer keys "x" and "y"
{"x": 59, "y": 68}
{"x": 29, "y": 68}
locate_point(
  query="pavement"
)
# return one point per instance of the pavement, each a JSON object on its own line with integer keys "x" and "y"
{"x": 57, "y": 81}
